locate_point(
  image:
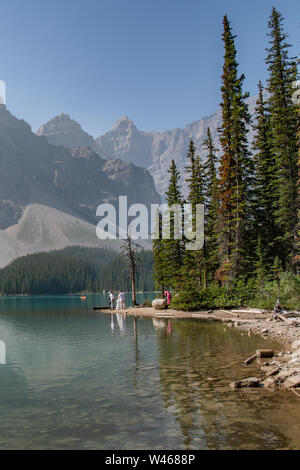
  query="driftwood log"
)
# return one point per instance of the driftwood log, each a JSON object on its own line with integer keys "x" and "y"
{"x": 289, "y": 322}
{"x": 259, "y": 353}
{"x": 264, "y": 353}
{"x": 250, "y": 360}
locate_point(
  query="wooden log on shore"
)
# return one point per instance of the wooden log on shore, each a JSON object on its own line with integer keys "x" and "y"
{"x": 282, "y": 318}
{"x": 250, "y": 360}
{"x": 264, "y": 353}
{"x": 100, "y": 308}
{"x": 289, "y": 322}
{"x": 248, "y": 310}
{"x": 162, "y": 314}
{"x": 231, "y": 312}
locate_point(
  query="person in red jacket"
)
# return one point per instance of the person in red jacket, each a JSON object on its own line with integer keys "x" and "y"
{"x": 169, "y": 297}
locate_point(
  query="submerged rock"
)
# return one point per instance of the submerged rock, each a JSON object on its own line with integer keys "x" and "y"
{"x": 268, "y": 383}
{"x": 249, "y": 382}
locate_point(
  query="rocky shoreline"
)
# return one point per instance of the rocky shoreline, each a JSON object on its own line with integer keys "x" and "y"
{"x": 280, "y": 370}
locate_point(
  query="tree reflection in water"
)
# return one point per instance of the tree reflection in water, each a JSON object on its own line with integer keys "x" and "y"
{"x": 197, "y": 361}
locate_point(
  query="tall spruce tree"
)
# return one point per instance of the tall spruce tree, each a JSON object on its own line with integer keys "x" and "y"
{"x": 265, "y": 203}
{"x": 174, "y": 245}
{"x": 235, "y": 165}
{"x": 296, "y": 259}
{"x": 159, "y": 258}
{"x": 211, "y": 206}
{"x": 297, "y": 255}
{"x": 194, "y": 266}
{"x": 283, "y": 125}
{"x": 194, "y": 170}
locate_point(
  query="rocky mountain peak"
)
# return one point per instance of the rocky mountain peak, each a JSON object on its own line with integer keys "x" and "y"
{"x": 59, "y": 123}
{"x": 64, "y": 117}
{"x": 124, "y": 123}
{"x": 62, "y": 130}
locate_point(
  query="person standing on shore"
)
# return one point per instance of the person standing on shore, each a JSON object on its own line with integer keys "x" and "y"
{"x": 169, "y": 297}
{"x": 118, "y": 306}
{"x": 111, "y": 300}
{"x": 121, "y": 297}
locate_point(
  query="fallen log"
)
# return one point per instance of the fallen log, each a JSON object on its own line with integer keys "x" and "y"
{"x": 282, "y": 318}
{"x": 264, "y": 353}
{"x": 235, "y": 314}
{"x": 273, "y": 372}
{"x": 250, "y": 360}
{"x": 289, "y": 322}
{"x": 292, "y": 381}
{"x": 248, "y": 310}
{"x": 164, "y": 316}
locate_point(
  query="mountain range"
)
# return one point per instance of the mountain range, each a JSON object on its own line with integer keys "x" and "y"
{"x": 49, "y": 194}
{"x": 152, "y": 150}
{"x": 52, "y": 182}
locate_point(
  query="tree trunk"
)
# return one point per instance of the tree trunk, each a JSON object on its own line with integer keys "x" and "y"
{"x": 133, "y": 288}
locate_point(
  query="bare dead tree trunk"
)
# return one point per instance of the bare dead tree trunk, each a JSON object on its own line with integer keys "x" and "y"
{"x": 130, "y": 252}
{"x": 133, "y": 287}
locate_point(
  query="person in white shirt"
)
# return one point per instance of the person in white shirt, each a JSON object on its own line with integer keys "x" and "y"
{"x": 121, "y": 298}
{"x": 111, "y": 300}
{"x": 118, "y": 306}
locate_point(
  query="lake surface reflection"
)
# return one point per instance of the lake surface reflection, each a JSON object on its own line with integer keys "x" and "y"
{"x": 78, "y": 379}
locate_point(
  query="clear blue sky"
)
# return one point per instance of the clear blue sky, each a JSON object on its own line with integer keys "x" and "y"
{"x": 158, "y": 61}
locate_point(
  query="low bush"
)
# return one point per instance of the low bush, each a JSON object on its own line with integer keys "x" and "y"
{"x": 242, "y": 294}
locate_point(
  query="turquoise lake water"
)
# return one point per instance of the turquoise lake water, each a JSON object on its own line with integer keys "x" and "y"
{"x": 78, "y": 379}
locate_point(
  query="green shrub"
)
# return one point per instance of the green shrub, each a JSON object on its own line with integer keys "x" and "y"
{"x": 288, "y": 292}
{"x": 242, "y": 294}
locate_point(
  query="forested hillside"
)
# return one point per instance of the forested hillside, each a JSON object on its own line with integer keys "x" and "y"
{"x": 74, "y": 269}
{"x": 250, "y": 191}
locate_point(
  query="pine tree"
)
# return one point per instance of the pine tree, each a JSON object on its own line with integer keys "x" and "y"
{"x": 283, "y": 125}
{"x": 265, "y": 200}
{"x": 195, "y": 180}
{"x": 235, "y": 165}
{"x": 296, "y": 260}
{"x": 211, "y": 206}
{"x": 174, "y": 247}
{"x": 159, "y": 258}
{"x": 194, "y": 265}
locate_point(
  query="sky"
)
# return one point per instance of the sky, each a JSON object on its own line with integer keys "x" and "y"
{"x": 157, "y": 61}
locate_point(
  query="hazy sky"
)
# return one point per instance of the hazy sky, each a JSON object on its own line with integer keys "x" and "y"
{"x": 158, "y": 61}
